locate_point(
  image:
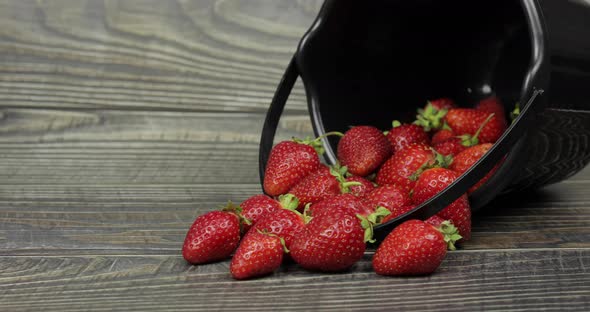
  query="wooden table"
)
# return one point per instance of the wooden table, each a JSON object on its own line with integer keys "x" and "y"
{"x": 120, "y": 121}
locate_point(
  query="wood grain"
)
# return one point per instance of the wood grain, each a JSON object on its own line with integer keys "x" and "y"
{"x": 542, "y": 279}
{"x": 120, "y": 147}
{"x": 153, "y": 219}
{"x": 174, "y": 55}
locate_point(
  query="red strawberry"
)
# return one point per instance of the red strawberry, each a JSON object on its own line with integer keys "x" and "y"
{"x": 431, "y": 182}
{"x": 442, "y": 103}
{"x": 259, "y": 254}
{"x": 288, "y": 163}
{"x": 363, "y": 189}
{"x": 285, "y": 223}
{"x": 452, "y": 146}
{"x": 213, "y": 236}
{"x": 333, "y": 242}
{"x": 323, "y": 183}
{"x": 342, "y": 201}
{"x": 468, "y": 121}
{"x": 414, "y": 248}
{"x": 398, "y": 169}
{"x": 389, "y": 196}
{"x": 315, "y": 187}
{"x": 363, "y": 149}
{"x": 442, "y": 135}
{"x": 435, "y": 221}
{"x": 464, "y": 160}
{"x": 492, "y": 104}
{"x": 256, "y": 207}
{"x": 401, "y": 136}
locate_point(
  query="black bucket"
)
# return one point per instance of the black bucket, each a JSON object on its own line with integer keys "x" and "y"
{"x": 368, "y": 62}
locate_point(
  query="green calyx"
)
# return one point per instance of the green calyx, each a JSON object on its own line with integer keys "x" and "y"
{"x": 340, "y": 172}
{"x": 515, "y": 112}
{"x": 430, "y": 118}
{"x": 472, "y": 140}
{"x": 317, "y": 142}
{"x": 306, "y": 214}
{"x": 440, "y": 161}
{"x": 396, "y": 124}
{"x": 236, "y": 210}
{"x": 450, "y": 234}
{"x": 369, "y": 222}
{"x": 289, "y": 201}
{"x": 267, "y": 233}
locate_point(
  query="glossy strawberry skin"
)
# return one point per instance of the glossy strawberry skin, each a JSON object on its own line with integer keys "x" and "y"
{"x": 258, "y": 255}
{"x": 468, "y": 121}
{"x": 398, "y": 169}
{"x": 361, "y": 190}
{"x": 452, "y": 146}
{"x": 441, "y": 136}
{"x": 315, "y": 187}
{"x": 329, "y": 243}
{"x": 406, "y": 134}
{"x": 347, "y": 202}
{"x": 443, "y": 103}
{"x": 255, "y": 207}
{"x": 433, "y": 181}
{"x": 464, "y": 160}
{"x": 288, "y": 163}
{"x": 493, "y": 105}
{"x": 212, "y": 237}
{"x": 412, "y": 248}
{"x": 363, "y": 149}
{"x": 389, "y": 196}
{"x": 283, "y": 222}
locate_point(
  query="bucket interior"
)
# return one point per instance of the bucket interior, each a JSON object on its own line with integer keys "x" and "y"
{"x": 374, "y": 61}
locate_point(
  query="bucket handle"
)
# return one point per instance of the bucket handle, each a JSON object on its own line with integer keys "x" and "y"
{"x": 274, "y": 114}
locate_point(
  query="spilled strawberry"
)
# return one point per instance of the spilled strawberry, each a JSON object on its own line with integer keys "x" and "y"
{"x": 363, "y": 149}
{"x": 398, "y": 169}
{"x": 402, "y": 135}
{"x": 259, "y": 254}
{"x": 464, "y": 160}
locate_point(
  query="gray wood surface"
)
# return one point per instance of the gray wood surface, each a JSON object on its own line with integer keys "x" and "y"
{"x": 121, "y": 121}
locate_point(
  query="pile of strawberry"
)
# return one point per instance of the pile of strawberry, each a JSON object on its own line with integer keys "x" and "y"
{"x": 322, "y": 217}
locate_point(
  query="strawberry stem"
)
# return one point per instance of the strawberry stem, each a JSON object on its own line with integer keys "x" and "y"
{"x": 468, "y": 140}
{"x": 515, "y": 112}
{"x": 317, "y": 142}
{"x": 440, "y": 161}
{"x": 340, "y": 172}
{"x": 267, "y": 233}
{"x": 450, "y": 233}
{"x": 395, "y": 124}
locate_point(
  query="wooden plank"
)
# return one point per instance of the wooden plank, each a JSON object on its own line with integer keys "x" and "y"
{"x": 153, "y": 219}
{"x": 203, "y": 55}
{"x": 542, "y": 279}
{"x": 129, "y": 147}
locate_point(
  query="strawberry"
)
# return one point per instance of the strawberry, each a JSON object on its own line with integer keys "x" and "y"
{"x": 431, "y": 182}
{"x": 452, "y": 147}
{"x": 213, "y": 236}
{"x": 285, "y": 223}
{"x": 321, "y": 184}
{"x": 464, "y": 160}
{"x": 363, "y": 149}
{"x": 342, "y": 201}
{"x": 335, "y": 241}
{"x": 259, "y": 254}
{"x": 402, "y": 135}
{"x": 493, "y": 105}
{"x": 256, "y": 207}
{"x": 442, "y": 135}
{"x": 414, "y": 248}
{"x": 435, "y": 221}
{"x": 289, "y": 162}
{"x": 468, "y": 121}
{"x": 389, "y": 196}
{"x": 363, "y": 188}
{"x": 398, "y": 169}
{"x": 442, "y": 103}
